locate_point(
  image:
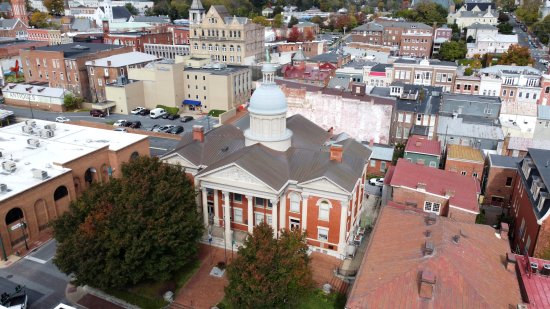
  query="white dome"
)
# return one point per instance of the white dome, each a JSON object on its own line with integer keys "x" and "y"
{"x": 268, "y": 99}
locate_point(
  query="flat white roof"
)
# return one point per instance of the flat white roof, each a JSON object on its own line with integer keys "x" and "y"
{"x": 68, "y": 143}
{"x": 122, "y": 60}
{"x": 34, "y": 90}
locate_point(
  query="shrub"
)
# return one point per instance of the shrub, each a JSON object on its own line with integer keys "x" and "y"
{"x": 216, "y": 112}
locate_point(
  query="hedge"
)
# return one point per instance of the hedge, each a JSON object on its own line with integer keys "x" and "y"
{"x": 169, "y": 110}
{"x": 216, "y": 112}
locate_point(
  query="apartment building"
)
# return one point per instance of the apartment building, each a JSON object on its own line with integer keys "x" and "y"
{"x": 500, "y": 180}
{"x": 108, "y": 70}
{"x": 225, "y": 38}
{"x": 486, "y": 39}
{"x": 521, "y": 84}
{"x": 402, "y": 38}
{"x": 530, "y": 205}
{"x": 64, "y": 66}
{"x": 13, "y": 28}
{"x": 136, "y": 39}
{"x": 441, "y": 35}
{"x": 52, "y": 36}
{"x": 425, "y": 72}
{"x": 465, "y": 160}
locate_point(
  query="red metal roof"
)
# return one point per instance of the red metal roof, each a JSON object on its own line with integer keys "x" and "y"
{"x": 534, "y": 286}
{"x": 421, "y": 144}
{"x": 305, "y": 72}
{"x": 468, "y": 273}
{"x": 464, "y": 189}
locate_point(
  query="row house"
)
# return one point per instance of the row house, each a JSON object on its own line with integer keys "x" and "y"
{"x": 425, "y": 72}
{"x": 441, "y": 35}
{"x": 237, "y": 193}
{"x": 435, "y": 191}
{"x": 403, "y": 38}
{"x": 512, "y": 83}
{"x": 52, "y": 36}
{"x": 544, "y": 90}
{"x": 470, "y": 105}
{"x": 423, "y": 151}
{"x": 380, "y": 159}
{"x": 500, "y": 180}
{"x": 531, "y": 205}
{"x": 542, "y": 127}
{"x": 13, "y": 28}
{"x": 310, "y": 49}
{"x": 64, "y": 66}
{"x": 378, "y": 74}
{"x": 465, "y": 160}
{"x": 180, "y": 35}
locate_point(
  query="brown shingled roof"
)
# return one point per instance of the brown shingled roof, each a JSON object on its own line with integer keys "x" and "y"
{"x": 464, "y": 153}
{"x": 468, "y": 274}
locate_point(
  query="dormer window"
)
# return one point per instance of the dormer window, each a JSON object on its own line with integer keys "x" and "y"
{"x": 526, "y": 167}
{"x": 542, "y": 200}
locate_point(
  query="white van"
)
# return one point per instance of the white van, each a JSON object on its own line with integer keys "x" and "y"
{"x": 157, "y": 112}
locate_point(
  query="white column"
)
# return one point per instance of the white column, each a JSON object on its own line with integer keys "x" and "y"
{"x": 205, "y": 207}
{"x": 342, "y": 235}
{"x": 354, "y": 200}
{"x": 304, "y": 211}
{"x": 274, "y": 217}
{"x": 250, "y": 214}
{"x": 227, "y": 219}
{"x": 282, "y": 221}
{"x": 216, "y": 209}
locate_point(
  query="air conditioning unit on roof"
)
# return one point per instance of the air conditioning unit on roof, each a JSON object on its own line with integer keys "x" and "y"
{"x": 9, "y": 166}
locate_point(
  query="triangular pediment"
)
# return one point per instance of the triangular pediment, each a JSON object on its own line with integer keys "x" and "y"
{"x": 177, "y": 159}
{"x": 323, "y": 184}
{"x": 234, "y": 175}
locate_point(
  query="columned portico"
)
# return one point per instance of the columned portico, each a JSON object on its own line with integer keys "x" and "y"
{"x": 343, "y": 221}
{"x": 250, "y": 212}
{"x": 216, "y": 209}
{"x": 304, "y": 212}
{"x": 205, "y": 207}
{"x": 274, "y": 217}
{"x": 227, "y": 218}
{"x": 282, "y": 221}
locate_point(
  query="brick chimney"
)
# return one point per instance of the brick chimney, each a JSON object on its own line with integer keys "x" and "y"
{"x": 371, "y": 142}
{"x": 427, "y": 284}
{"x": 198, "y": 133}
{"x": 336, "y": 152}
{"x": 108, "y": 63}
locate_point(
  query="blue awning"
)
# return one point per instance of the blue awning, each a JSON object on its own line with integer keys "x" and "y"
{"x": 191, "y": 102}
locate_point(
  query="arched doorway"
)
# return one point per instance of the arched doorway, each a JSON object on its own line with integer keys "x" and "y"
{"x": 61, "y": 199}
{"x": 41, "y": 213}
{"x": 16, "y": 226}
{"x": 90, "y": 176}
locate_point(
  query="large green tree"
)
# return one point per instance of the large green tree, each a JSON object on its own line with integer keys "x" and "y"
{"x": 425, "y": 12}
{"x": 269, "y": 272}
{"x": 517, "y": 55}
{"x": 542, "y": 29}
{"x": 55, "y": 7}
{"x": 141, "y": 226}
{"x": 453, "y": 50}
{"x": 528, "y": 12}
{"x": 131, "y": 8}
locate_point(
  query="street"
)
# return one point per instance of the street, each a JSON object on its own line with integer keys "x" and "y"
{"x": 45, "y": 284}
{"x": 158, "y": 146}
{"x": 523, "y": 40}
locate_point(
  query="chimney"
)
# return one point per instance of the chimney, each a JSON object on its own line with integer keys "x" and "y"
{"x": 427, "y": 284}
{"x": 421, "y": 186}
{"x": 504, "y": 228}
{"x": 336, "y": 153}
{"x": 198, "y": 133}
{"x": 449, "y": 193}
{"x": 331, "y": 131}
{"x": 510, "y": 262}
{"x": 108, "y": 63}
{"x": 371, "y": 142}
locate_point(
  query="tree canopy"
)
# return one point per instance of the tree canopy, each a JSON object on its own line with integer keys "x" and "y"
{"x": 425, "y": 12}
{"x": 40, "y": 20}
{"x": 55, "y": 7}
{"x": 452, "y": 50}
{"x": 528, "y": 12}
{"x": 542, "y": 29}
{"x": 517, "y": 55}
{"x": 269, "y": 272}
{"x": 261, "y": 20}
{"x": 131, "y": 8}
{"x": 142, "y": 226}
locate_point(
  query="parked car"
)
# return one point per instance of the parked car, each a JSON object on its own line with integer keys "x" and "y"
{"x": 97, "y": 113}
{"x": 136, "y": 110}
{"x": 62, "y": 119}
{"x": 163, "y": 128}
{"x": 173, "y": 116}
{"x": 157, "y": 112}
{"x": 121, "y": 129}
{"x": 186, "y": 118}
{"x": 144, "y": 112}
{"x": 543, "y": 61}
{"x": 120, "y": 123}
{"x": 127, "y": 124}
{"x": 154, "y": 127}
{"x": 175, "y": 130}
{"x": 135, "y": 125}
{"x": 376, "y": 181}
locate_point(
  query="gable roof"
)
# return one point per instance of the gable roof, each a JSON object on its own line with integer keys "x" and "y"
{"x": 119, "y": 12}
{"x": 381, "y": 152}
{"x": 461, "y": 152}
{"x": 468, "y": 274}
{"x": 503, "y": 161}
{"x": 420, "y": 144}
{"x": 8, "y": 23}
{"x": 465, "y": 189}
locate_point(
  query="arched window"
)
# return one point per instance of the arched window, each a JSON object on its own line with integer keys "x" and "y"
{"x": 224, "y": 48}
{"x": 324, "y": 209}
{"x": 238, "y": 48}
{"x": 231, "y": 48}
{"x": 14, "y": 215}
{"x": 196, "y": 46}
{"x": 134, "y": 155}
{"x": 203, "y": 46}
{"x": 60, "y": 193}
{"x": 295, "y": 202}
{"x": 88, "y": 175}
{"x": 209, "y": 46}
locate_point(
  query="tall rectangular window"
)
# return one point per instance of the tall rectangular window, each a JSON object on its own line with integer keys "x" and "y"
{"x": 238, "y": 215}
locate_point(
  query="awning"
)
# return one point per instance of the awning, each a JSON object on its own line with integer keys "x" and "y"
{"x": 191, "y": 102}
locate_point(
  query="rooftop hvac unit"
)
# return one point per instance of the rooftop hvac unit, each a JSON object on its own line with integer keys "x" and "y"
{"x": 46, "y": 133}
{"x": 39, "y": 174}
{"x": 0, "y": 154}
{"x": 27, "y": 129}
{"x": 3, "y": 188}
{"x": 33, "y": 142}
{"x": 50, "y": 126}
{"x": 31, "y": 123}
{"x": 545, "y": 271}
{"x": 9, "y": 166}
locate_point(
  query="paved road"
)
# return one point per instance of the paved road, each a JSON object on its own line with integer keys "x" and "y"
{"x": 159, "y": 146}
{"x": 45, "y": 284}
{"x": 523, "y": 40}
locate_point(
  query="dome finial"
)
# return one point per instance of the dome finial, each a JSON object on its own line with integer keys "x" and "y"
{"x": 267, "y": 56}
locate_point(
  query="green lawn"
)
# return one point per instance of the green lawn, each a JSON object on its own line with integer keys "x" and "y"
{"x": 316, "y": 300}
{"x": 149, "y": 295}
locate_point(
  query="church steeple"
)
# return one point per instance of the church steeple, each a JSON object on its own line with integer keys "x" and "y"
{"x": 196, "y": 12}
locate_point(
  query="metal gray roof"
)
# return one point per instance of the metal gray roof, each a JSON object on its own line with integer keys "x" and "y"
{"x": 339, "y": 83}
{"x": 482, "y": 26}
{"x": 8, "y": 23}
{"x": 543, "y": 112}
{"x": 381, "y": 152}
{"x": 196, "y": 5}
{"x": 541, "y": 159}
{"x": 503, "y": 161}
{"x": 372, "y": 26}
{"x": 457, "y": 127}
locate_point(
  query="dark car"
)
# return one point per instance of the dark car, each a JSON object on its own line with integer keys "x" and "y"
{"x": 144, "y": 112}
{"x": 97, "y": 113}
{"x": 135, "y": 125}
{"x": 154, "y": 127}
{"x": 186, "y": 118}
{"x": 127, "y": 124}
{"x": 165, "y": 116}
{"x": 175, "y": 130}
{"x": 173, "y": 116}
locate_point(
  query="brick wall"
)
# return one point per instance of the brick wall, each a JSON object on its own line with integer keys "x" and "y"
{"x": 522, "y": 209}
{"x": 495, "y": 186}
{"x": 410, "y": 197}
{"x": 462, "y": 216}
{"x": 468, "y": 167}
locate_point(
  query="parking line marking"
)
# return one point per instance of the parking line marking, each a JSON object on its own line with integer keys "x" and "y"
{"x": 32, "y": 258}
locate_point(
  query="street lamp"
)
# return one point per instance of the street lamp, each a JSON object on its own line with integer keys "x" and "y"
{"x": 23, "y": 227}
{"x": 30, "y": 105}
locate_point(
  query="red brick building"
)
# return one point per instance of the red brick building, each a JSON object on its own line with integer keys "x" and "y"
{"x": 13, "y": 28}
{"x": 310, "y": 49}
{"x": 181, "y": 35}
{"x": 531, "y": 204}
{"x": 19, "y": 9}
{"x": 534, "y": 281}
{"x": 135, "y": 40}
{"x": 465, "y": 160}
{"x": 500, "y": 180}
{"x": 10, "y": 48}
{"x": 64, "y": 66}
{"x": 435, "y": 191}
{"x": 380, "y": 159}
